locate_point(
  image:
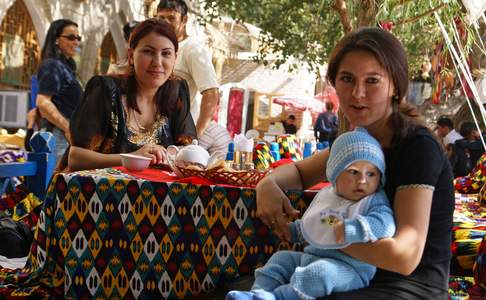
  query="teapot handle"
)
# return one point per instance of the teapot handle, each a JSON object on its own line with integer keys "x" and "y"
{"x": 172, "y": 150}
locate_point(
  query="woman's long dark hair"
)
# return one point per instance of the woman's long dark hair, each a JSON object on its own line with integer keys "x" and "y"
{"x": 168, "y": 94}
{"x": 50, "y": 48}
{"x": 391, "y": 55}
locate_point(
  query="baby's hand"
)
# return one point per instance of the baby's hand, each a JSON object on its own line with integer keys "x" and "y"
{"x": 286, "y": 234}
{"x": 339, "y": 232}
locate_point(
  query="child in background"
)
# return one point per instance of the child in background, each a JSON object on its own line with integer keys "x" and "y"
{"x": 354, "y": 209}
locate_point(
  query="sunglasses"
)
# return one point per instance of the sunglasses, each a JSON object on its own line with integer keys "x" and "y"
{"x": 72, "y": 37}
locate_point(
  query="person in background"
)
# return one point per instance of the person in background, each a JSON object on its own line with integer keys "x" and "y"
{"x": 122, "y": 67}
{"x": 193, "y": 64}
{"x": 289, "y": 125}
{"x": 466, "y": 151}
{"x": 446, "y": 131}
{"x": 369, "y": 70}
{"x": 353, "y": 210}
{"x": 326, "y": 125}
{"x": 59, "y": 91}
{"x": 141, "y": 112}
{"x": 216, "y": 139}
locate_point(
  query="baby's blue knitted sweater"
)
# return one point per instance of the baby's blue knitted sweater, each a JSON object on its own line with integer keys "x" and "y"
{"x": 375, "y": 222}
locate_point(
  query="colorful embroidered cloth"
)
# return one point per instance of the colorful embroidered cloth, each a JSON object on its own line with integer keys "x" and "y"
{"x": 7, "y": 156}
{"x": 467, "y": 233}
{"x": 463, "y": 288}
{"x": 19, "y": 203}
{"x": 105, "y": 234}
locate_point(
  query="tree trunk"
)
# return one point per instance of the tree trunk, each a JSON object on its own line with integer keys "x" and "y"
{"x": 367, "y": 13}
{"x": 340, "y": 6}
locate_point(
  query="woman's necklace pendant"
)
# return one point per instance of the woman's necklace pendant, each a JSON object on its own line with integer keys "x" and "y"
{"x": 140, "y": 127}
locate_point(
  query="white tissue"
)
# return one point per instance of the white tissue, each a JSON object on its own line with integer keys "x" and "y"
{"x": 242, "y": 143}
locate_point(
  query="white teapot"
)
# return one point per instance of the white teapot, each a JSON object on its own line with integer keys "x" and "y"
{"x": 189, "y": 155}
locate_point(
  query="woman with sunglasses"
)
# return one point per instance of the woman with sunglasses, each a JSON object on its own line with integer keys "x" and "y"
{"x": 142, "y": 111}
{"x": 59, "y": 89}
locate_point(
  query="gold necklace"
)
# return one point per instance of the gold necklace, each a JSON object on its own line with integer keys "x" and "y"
{"x": 140, "y": 127}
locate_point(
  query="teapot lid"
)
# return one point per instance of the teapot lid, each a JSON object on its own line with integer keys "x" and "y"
{"x": 194, "y": 146}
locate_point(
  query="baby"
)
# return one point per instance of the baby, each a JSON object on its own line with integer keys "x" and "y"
{"x": 353, "y": 210}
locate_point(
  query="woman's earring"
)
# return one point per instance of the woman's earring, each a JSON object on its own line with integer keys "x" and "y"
{"x": 395, "y": 98}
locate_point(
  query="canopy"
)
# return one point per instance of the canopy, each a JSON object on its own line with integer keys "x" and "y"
{"x": 475, "y": 9}
{"x": 301, "y": 103}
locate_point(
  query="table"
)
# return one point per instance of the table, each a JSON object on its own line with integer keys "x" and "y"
{"x": 109, "y": 234}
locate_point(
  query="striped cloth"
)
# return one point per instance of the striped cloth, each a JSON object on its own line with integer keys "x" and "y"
{"x": 215, "y": 138}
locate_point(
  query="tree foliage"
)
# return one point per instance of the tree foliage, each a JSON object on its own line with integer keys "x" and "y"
{"x": 309, "y": 29}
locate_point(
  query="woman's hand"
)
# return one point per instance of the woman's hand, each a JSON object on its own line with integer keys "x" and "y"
{"x": 274, "y": 208}
{"x": 67, "y": 135}
{"x": 157, "y": 153}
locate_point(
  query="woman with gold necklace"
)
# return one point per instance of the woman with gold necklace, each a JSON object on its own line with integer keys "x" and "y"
{"x": 141, "y": 112}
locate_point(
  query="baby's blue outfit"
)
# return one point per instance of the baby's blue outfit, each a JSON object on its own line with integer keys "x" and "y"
{"x": 322, "y": 269}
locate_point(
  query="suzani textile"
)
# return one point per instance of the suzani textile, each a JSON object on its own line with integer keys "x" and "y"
{"x": 105, "y": 234}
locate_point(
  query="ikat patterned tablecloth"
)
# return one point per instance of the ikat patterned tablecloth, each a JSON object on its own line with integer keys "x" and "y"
{"x": 105, "y": 234}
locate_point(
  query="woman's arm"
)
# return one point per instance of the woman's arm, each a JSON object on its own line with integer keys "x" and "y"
{"x": 83, "y": 159}
{"x": 273, "y": 207}
{"x": 51, "y": 113}
{"x": 402, "y": 253}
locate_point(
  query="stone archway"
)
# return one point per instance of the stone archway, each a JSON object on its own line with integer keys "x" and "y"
{"x": 37, "y": 13}
{"x": 19, "y": 47}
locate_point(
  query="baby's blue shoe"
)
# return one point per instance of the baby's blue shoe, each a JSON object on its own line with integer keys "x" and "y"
{"x": 250, "y": 295}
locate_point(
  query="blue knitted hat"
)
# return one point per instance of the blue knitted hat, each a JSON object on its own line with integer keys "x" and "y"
{"x": 353, "y": 146}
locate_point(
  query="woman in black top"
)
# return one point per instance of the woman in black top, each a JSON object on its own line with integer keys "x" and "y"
{"x": 142, "y": 112}
{"x": 368, "y": 68}
{"x": 59, "y": 89}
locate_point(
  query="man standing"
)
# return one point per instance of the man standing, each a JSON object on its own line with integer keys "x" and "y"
{"x": 326, "y": 125}
{"x": 445, "y": 129}
{"x": 193, "y": 64}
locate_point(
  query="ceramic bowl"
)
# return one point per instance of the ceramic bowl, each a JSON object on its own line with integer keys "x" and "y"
{"x": 134, "y": 162}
